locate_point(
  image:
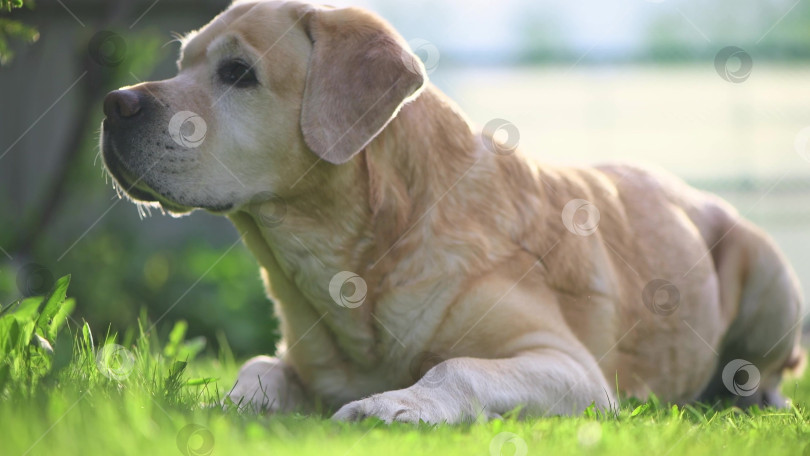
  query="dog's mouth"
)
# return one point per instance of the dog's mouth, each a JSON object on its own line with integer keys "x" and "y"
{"x": 134, "y": 186}
{"x": 129, "y": 182}
{"x": 126, "y": 179}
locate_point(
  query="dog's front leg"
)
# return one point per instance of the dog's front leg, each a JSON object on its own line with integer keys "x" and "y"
{"x": 463, "y": 389}
{"x": 267, "y": 385}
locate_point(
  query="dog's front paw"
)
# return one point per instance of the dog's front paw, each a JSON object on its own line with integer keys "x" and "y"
{"x": 405, "y": 406}
{"x": 264, "y": 385}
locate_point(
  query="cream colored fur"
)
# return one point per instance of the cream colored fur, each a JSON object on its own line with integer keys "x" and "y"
{"x": 466, "y": 254}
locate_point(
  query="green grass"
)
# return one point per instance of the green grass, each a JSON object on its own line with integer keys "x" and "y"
{"x": 62, "y": 392}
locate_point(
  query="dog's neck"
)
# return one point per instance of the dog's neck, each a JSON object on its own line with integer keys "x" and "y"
{"x": 429, "y": 173}
{"x": 409, "y": 190}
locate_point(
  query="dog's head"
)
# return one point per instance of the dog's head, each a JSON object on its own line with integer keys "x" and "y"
{"x": 263, "y": 93}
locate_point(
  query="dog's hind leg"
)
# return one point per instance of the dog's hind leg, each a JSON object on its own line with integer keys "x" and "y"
{"x": 762, "y": 296}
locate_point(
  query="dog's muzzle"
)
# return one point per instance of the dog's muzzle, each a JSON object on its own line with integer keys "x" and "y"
{"x": 127, "y": 113}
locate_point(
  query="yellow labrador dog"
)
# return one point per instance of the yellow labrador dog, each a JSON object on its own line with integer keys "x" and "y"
{"x": 426, "y": 271}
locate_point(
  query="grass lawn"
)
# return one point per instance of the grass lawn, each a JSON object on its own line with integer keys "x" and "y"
{"x": 65, "y": 391}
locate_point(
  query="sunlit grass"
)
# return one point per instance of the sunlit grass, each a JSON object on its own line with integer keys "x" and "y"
{"x": 79, "y": 393}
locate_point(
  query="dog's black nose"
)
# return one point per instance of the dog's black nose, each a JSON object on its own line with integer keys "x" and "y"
{"x": 121, "y": 104}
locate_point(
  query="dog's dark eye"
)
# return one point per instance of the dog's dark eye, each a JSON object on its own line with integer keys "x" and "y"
{"x": 237, "y": 74}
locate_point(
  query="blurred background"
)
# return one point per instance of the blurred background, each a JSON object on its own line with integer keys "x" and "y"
{"x": 718, "y": 93}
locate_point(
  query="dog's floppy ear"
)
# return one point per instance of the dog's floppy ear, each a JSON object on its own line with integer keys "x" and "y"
{"x": 360, "y": 73}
